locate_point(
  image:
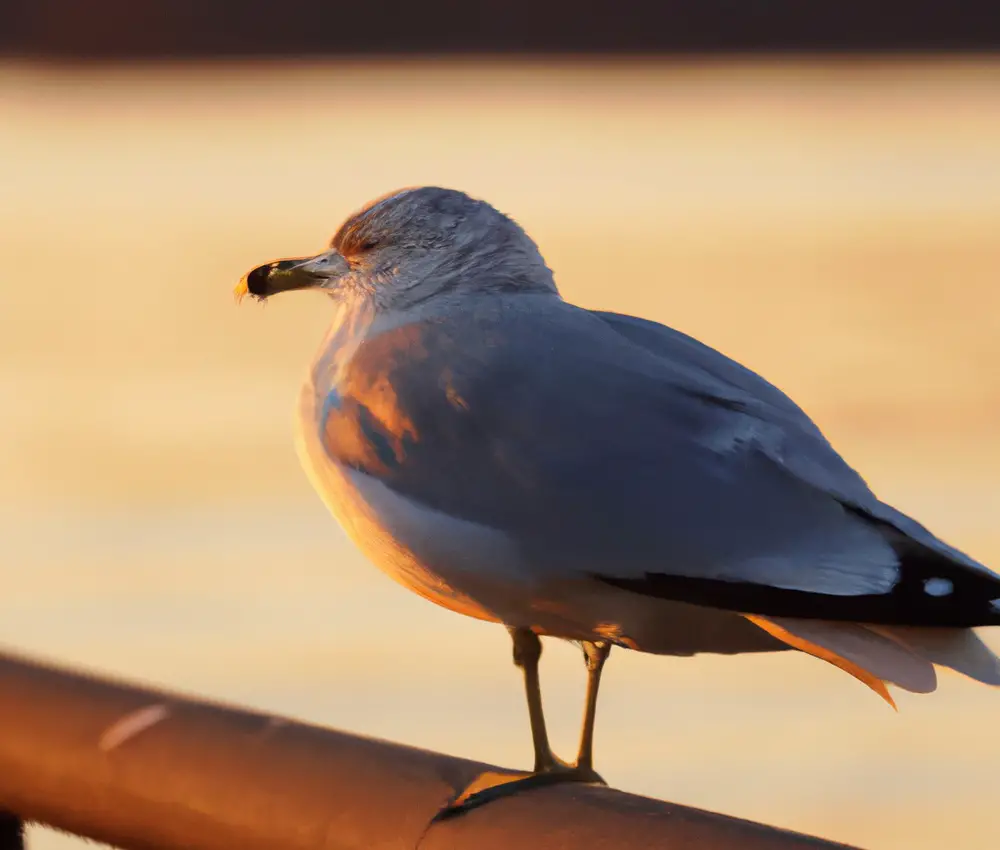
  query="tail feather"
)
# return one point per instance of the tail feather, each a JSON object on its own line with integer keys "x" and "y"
{"x": 959, "y": 649}
{"x": 867, "y": 655}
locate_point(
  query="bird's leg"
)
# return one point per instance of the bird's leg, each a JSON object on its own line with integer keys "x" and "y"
{"x": 595, "y": 653}
{"x": 549, "y": 768}
{"x": 527, "y": 652}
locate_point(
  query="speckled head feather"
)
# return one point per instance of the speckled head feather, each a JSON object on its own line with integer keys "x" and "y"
{"x": 415, "y": 243}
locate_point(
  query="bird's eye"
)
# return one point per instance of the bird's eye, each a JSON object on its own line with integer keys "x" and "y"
{"x": 367, "y": 245}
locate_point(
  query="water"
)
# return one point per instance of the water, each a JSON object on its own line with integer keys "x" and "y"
{"x": 832, "y": 226}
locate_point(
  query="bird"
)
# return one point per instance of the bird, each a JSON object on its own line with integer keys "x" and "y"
{"x": 595, "y": 476}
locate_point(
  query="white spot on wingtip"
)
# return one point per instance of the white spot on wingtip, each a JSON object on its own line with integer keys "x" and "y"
{"x": 131, "y": 725}
{"x": 938, "y": 586}
{"x": 995, "y": 605}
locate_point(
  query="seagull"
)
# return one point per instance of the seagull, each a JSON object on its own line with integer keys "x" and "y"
{"x": 597, "y": 477}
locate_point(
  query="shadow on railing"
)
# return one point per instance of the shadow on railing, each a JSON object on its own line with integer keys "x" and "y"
{"x": 140, "y": 768}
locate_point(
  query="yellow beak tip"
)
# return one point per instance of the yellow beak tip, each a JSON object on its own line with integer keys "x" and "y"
{"x": 240, "y": 291}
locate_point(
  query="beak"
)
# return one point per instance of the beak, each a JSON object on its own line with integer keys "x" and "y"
{"x": 286, "y": 275}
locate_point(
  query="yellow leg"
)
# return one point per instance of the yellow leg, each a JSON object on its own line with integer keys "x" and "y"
{"x": 595, "y": 654}
{"x": 549, "y": 768}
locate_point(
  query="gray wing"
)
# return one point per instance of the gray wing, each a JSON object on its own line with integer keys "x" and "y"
{"x": 610, "y": 447}
{"x": 806, "y": 451}
{"x": 797, "y": 443}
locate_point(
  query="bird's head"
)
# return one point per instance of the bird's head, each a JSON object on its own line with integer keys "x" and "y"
{"x": 410, "y": 245}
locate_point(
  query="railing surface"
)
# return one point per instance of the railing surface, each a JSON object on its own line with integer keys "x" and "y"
{"x": 141, "y": 768}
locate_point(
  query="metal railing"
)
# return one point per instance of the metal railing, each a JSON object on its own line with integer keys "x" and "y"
{"x": 141, "y": 768}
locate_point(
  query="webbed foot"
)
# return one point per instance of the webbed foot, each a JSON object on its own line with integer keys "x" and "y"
{"x": 493, "y": 785}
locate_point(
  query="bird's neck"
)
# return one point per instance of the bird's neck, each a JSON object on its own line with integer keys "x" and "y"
{"x": 353, "y": 317}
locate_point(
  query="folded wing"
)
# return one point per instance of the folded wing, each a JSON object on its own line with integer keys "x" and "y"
{"x": 617, "y": 450}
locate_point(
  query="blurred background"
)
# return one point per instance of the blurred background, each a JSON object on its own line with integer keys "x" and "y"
{"x": 813, "y": 190}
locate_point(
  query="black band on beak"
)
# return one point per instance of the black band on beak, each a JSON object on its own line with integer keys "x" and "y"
{"x": 257, "y": 280}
